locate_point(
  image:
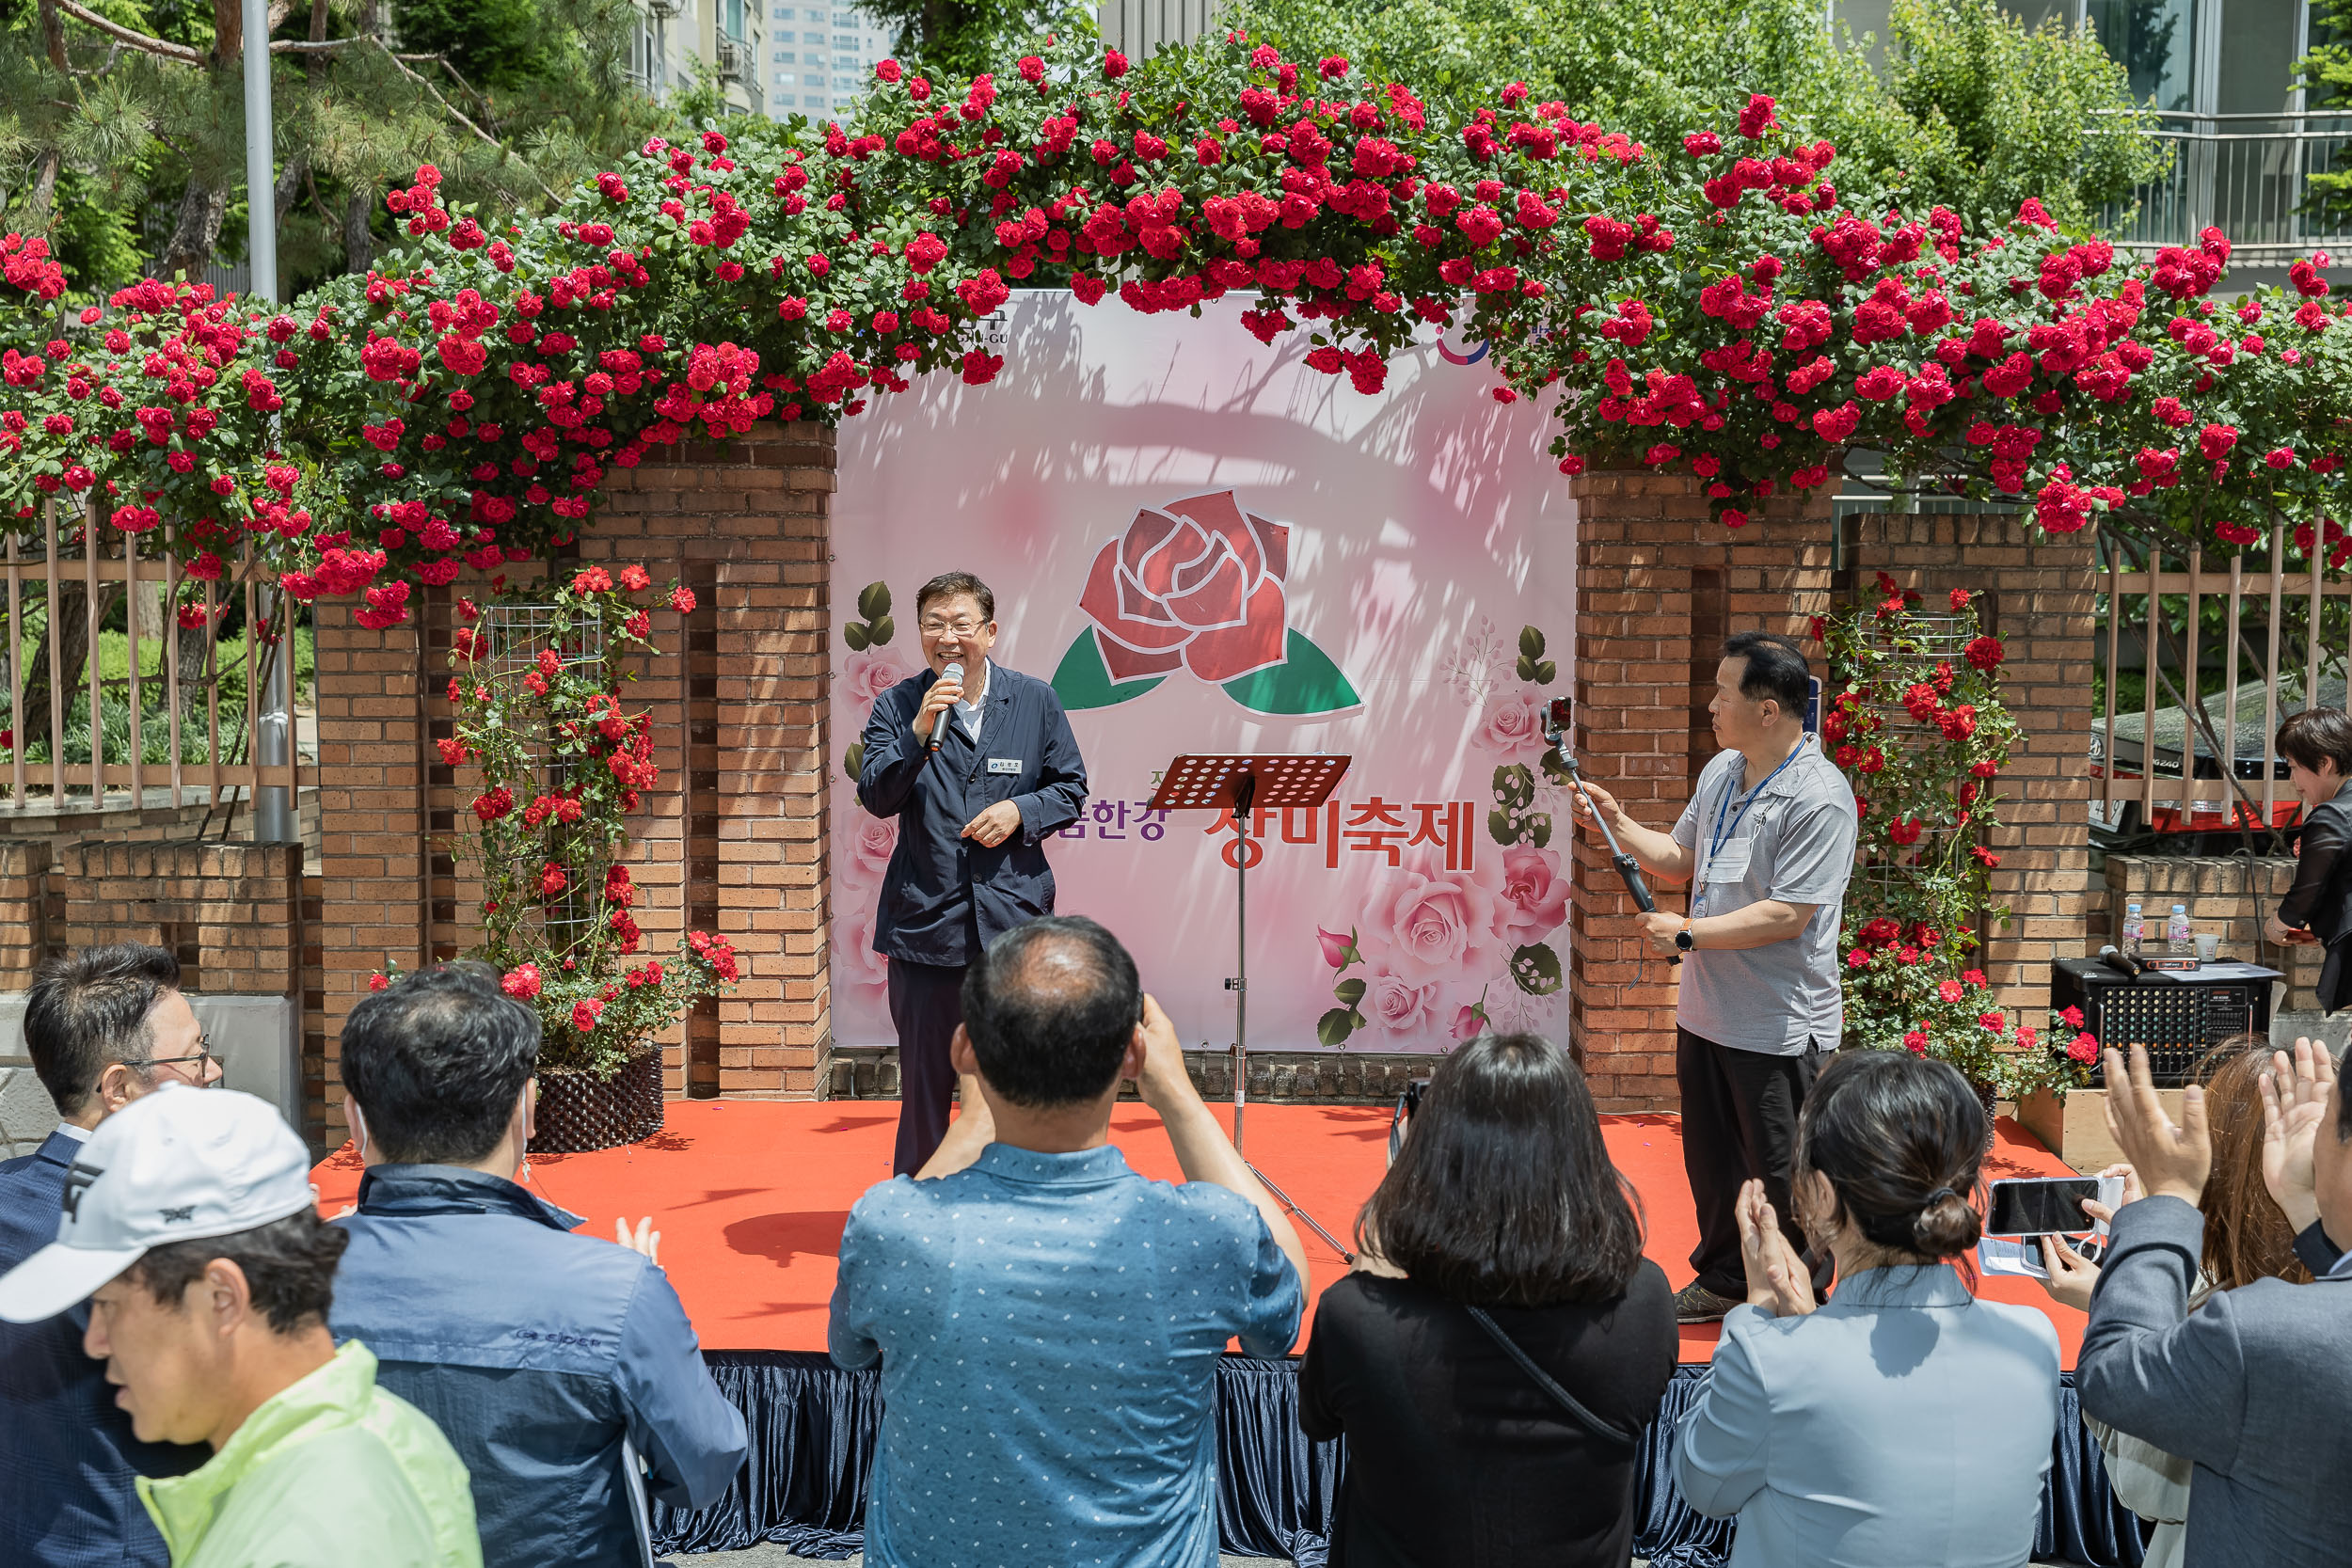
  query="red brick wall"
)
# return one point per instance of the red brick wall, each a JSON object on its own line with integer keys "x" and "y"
{"x": 734, "y": 838}
{"x": 1659, "y": 586}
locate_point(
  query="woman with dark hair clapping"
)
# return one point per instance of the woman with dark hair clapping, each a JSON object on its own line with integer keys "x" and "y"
{"x": 2318, "y": 910}
{"x": 1906, "y": 1421}
{"x": 1503, "y": 1344}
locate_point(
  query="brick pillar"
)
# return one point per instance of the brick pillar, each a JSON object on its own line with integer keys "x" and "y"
{"x": 734, "y": 838}
{"x": 23, "y": 909}
{"x": 2039, "y": 600}
{"x": 747, "y": 527}
{"x": 374, "y": 855}
{"x": 1660, "y": 584}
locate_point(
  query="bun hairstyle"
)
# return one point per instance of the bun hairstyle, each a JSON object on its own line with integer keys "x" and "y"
{"x": 1901, "y": 1139}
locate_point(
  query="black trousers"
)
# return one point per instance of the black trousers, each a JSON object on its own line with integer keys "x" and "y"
{"x": 1739, "y": 1123}
{"x": 926, "y": 1006}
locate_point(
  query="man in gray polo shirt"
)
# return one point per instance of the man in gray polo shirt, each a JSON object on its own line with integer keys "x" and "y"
{"x": 1768, "y": 840}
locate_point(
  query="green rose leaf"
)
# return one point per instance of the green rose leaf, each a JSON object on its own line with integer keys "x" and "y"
{"x": 1334, "y": 1027}
{"x": 1555, "y": 767}
{"x": 1349, "y": 991}
{"x": 1514, "y": 786}
{"x": 853, "y": 760}
{"x": 855, "y": 636}
{"x": 881, "y": 630}
{"x": 1306, "y": 682}
{"x": 1546, "y": 673}
{"x": 1083, "y": 680}
{"x": 1537, "y": 968}
{"x": 1531, "y": 643}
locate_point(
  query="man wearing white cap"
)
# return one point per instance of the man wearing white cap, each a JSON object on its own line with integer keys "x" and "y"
{"x": 190, "y": 1226}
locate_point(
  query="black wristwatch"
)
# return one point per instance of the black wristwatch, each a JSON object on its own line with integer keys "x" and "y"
{"x": 1684, "y": 941}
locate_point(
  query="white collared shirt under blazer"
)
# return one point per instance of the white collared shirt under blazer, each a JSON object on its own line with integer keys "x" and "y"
{"x": 1904, "y": 1422}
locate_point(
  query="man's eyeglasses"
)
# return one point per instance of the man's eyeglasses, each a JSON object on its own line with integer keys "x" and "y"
{"x": 961, "y": 629}
{"x": 200, "y": 1074}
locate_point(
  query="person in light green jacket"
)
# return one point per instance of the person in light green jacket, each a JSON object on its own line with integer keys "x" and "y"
{"x": 190, "y": 1227}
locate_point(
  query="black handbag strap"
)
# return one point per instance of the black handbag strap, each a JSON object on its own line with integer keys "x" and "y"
{"x": 1606, "y": 1431}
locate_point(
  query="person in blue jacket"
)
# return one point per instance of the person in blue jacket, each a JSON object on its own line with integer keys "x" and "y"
{"x": 975, "y": 796}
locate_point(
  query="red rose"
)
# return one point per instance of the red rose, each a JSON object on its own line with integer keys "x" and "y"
{"x": 379, "y": 982}
{"x": 521, "y": 982}
{"x": 2083, "y": 1048}
{"x": 1198, "y": 585}
{"x": 682, "y": 600}
{"x": 1915, "y": 1042}
{"x": 1985, "y": 652}
{"x": 585, "y": 1014}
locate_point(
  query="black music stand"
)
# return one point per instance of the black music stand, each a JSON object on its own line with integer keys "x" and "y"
{"x": 1243, "y": 784}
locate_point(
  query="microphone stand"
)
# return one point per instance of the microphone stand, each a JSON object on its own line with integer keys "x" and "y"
{"x": 1628, "y": 869}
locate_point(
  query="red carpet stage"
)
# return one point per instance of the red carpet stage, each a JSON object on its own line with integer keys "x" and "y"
{"x": 750, "y": 1198}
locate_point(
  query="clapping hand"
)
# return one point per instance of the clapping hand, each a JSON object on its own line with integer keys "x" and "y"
{"x": 2171, "y": 1160}
{"x": 2295, "y": 1103}
{"x": 645, "y": 1239}
{"x": 1777, "y": 1279}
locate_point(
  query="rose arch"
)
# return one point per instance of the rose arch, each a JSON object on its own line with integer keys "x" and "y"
{"x": 1720, "y": 310}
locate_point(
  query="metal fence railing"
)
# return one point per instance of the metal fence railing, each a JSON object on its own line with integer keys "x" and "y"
{"x": 2197, "y": 663}
{"x": 169, "y": 706}
{"x": 2249, "y": 175}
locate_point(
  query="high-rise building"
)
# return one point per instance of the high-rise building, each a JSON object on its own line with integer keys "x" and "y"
{"x": 819, "y": 58}
{"x": 675, "y": 40}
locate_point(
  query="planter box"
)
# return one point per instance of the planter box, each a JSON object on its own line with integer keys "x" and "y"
{"x": 2075, "y": 1129}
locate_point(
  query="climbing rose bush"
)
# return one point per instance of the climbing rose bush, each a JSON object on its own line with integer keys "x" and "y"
{"x": 1718, "y": 308}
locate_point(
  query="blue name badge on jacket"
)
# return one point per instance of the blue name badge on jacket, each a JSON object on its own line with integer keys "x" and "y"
{"x": 1003, "y": 765}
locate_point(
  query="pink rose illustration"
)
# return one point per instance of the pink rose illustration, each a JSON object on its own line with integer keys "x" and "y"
{"x": 1335, "y": 947}
{"x": 1398, "y": 1007}
{"x": 1428, "y": 926}
{"x": 866, "y": 855}
{"x": 1466, "y": 1022}
{"x": 861, "y": 967}
{"x": 867, "y": 676}
{"x": 1513, "y": 724}
{"x": 1197, "y": 584}
{"x": 1533, "y": 896}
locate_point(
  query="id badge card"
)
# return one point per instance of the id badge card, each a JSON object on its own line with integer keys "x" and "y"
{"x": 1728, "y": 865}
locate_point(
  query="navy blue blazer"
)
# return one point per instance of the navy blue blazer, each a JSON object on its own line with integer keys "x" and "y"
{"x": 944, "y": 897}
{"x": 67, "y": 1456}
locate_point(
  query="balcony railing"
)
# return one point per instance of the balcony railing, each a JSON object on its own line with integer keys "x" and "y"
{"x": 2248, "y": 175}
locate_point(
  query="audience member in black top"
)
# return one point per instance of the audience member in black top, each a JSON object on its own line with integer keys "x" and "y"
{"x": 1503, "y": 1199}
{"x": 2318, "y": 910}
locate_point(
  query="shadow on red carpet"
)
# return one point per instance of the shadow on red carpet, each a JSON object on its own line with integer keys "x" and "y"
{"x": 751, "y": 1197}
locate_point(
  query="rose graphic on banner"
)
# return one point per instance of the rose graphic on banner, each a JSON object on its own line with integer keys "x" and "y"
{"x": 1198, "y": 586}
{"x": 1486, "y": 924}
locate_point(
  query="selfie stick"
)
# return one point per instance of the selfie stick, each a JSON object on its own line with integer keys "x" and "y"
{"x": 1628, "y": 869}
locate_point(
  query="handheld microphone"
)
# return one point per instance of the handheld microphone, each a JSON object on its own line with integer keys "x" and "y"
{"x": 939, "y": 725}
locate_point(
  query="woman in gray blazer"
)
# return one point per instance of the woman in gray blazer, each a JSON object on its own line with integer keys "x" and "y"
{"x": 1906, "y": 1421}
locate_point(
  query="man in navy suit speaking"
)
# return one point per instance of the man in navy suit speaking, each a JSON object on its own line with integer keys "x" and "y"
{"x": 978, "y": 763}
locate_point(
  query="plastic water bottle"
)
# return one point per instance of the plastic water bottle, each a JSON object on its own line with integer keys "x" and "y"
{"x": 2135, "y": 929}
{"x": 2180, "y": 939}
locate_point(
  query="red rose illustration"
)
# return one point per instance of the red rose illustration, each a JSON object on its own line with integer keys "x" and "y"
{"x": 1198, "y": 585}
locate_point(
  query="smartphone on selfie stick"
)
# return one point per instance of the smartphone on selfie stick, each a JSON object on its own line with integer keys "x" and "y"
{"x": 1628, "y": 869}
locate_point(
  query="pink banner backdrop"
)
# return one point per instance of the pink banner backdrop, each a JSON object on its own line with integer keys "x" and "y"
{"x": 1207, "y": 546}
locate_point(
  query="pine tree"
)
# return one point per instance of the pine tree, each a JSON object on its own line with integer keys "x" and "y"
{"x": 133, "y": 109}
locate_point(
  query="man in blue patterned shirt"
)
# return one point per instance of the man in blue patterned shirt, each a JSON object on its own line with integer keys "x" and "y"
{"x": 1048, "y": 1322}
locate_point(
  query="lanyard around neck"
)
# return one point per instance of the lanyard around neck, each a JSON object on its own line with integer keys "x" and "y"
{"x": 1722, "y": 833}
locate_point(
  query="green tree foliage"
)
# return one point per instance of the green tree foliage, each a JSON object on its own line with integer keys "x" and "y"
{"x": 122, "y": 121}
{"x": 1972, "y": 110}
{"x": 963, "y": 37}
{"x": 2326, "y": 75}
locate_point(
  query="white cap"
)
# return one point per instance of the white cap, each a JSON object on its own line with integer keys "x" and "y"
{"x": 180, "y": 1165}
